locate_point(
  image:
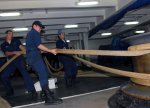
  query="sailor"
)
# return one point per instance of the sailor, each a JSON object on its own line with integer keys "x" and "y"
{"x": 34, "y": 59}
{"x": 12, "y": 47}
{"x": 70, "y": 67}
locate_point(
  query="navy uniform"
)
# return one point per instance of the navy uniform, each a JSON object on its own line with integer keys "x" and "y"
{"x": 70, "y": 67}
{"x": 18, "y": 63}
{"x": 34, "y": 59}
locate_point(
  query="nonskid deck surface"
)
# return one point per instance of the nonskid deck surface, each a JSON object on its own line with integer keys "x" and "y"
{"x": 96, "y": 99}
{"x": 85, "y": 85}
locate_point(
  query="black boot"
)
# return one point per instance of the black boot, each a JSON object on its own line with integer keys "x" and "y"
{"x": 49, "y": 98}
{"x": 33, "y": 94}
{"x": 42, "y": 94}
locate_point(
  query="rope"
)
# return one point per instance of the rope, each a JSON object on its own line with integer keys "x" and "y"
{"x": 12, "y": 59}
{"x": 89, "y": 52}
{"x": 103, "y": 52}
{"x": 100, "y": 52}
{"x": 116, "y": 71}
{"x": 94, "y": 74}
{"x": 61, "y": 74}
{"x": 145, "y": 46}
{"x": 51, "y": 67}
{"x": 53, "y": 74}
{"x": 140, "y": 47}
{"x": 4, "y": 103}
{"x": 8, "y": 62}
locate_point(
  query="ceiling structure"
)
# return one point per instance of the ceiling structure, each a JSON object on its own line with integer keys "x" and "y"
{"x": 141, "y": 15}
{"x": 54, "y": 14}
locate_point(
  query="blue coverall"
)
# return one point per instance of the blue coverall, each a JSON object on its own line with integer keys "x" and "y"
{"x": 34, "y": 58}
{"x": 18, "y": 63}
{"x": 70, "y": 67}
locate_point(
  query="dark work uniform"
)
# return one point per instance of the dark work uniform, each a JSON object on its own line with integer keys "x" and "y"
{"x": 70, "y": 67}
{"x": 34, "y": 58}
{"x": 18, "y": 63}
